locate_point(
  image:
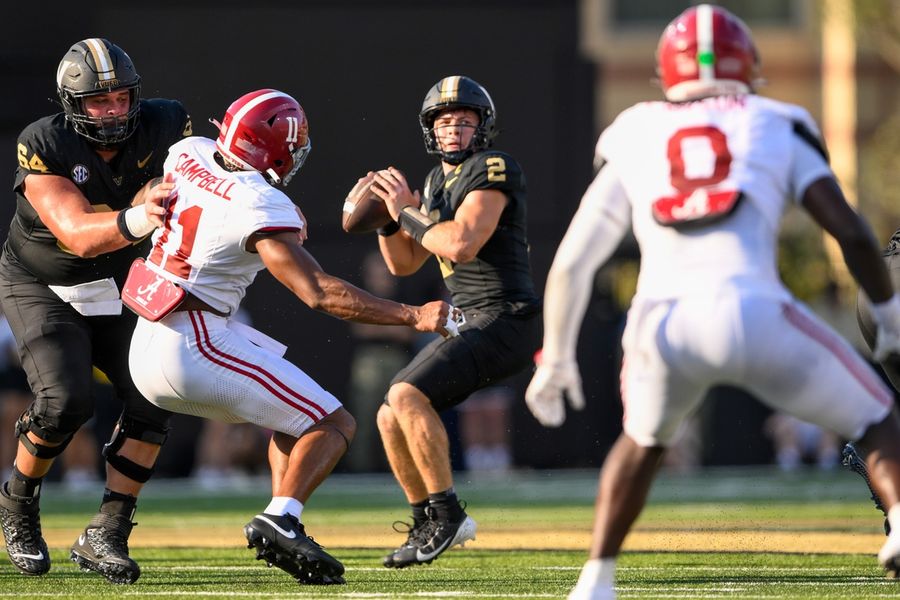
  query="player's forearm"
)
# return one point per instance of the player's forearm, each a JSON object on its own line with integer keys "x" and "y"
{"x": 345, "y": 301}
{"x": 863, "y": 259}
{"x": 452, "y": 241}
{"x": 402, "y": 255}
{"x": 92, "y": 235}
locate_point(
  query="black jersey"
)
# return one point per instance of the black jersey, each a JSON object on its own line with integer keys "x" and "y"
{"x": 51, "y": 146}
{"x": 499, "y": 278}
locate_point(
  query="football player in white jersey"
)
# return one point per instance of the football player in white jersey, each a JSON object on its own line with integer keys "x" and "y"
{"x": 226, "y": 221}
{"x": 702, "y": 178}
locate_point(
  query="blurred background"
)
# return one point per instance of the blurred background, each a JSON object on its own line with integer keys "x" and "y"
{"x": 559, "y": 71}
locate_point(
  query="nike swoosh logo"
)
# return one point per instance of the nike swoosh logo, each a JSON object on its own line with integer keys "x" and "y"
{"x": 288, "y": 534}
{"x": 81, "y": 540}
{"x": 450, "y": 182}
{"x": 143, "y": 163}
{"x": 422, "y": 556}
{"x": 38, "y": 556}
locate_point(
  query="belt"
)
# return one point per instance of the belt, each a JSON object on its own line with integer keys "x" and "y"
{"x": 192, "y": 302}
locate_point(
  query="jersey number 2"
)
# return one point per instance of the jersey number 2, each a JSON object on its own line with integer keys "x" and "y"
{"x": 699, "y": 161}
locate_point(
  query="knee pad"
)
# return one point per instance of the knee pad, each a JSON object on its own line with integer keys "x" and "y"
{"x": 136, "y": 430}
{"x": 27, "y": 423}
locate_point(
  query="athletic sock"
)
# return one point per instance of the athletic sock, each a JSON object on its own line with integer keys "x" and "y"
{"x": 446, "y": 505}
{"x": 114, "y": 503}
{"x": 597, "y": 573}
{"x": 894, "y": 517}
{"x": 284, "y": 505}
{"x": 419, "y": 513}
{"x": 22, "y": 486}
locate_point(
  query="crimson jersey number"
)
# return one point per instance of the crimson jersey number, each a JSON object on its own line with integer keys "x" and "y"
{"x": 176, "y": 263}
{"x": 699, "y": 199}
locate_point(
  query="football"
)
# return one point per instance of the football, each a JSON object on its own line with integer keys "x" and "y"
{"x": 367, "y": 214}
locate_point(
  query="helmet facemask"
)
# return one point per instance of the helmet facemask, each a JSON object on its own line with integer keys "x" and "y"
{"x": 481, "y": 138}
{"x": 106, "y": 131}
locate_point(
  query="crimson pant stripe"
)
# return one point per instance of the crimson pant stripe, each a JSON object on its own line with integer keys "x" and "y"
{"x": 198, "y": 316}
{"x": 854, "y": 365}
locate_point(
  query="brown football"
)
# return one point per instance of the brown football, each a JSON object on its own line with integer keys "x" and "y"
{"x": 367, "y": 214}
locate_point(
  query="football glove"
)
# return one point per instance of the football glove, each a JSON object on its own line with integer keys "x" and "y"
{"x": 550, "y": 384}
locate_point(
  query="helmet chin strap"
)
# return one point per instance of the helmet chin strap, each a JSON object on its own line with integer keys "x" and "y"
{"x": 273, "y": 175}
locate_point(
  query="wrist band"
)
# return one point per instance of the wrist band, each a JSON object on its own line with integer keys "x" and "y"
{"x": 133, "y": 223}
{"x": 389, "y": 229}
{"x": 415, "y": 223}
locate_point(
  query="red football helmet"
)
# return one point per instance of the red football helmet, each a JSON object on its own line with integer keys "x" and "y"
{"x": 706, "y": 51}
{"x": 265, "y": 131}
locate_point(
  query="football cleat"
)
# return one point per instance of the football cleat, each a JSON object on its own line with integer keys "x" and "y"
{"x": 444, "y": 534}
{"x": 21, "y": 524}
{"x": 417, "y": 536}
{"x": 851, "y": 459}
{"x": 103, "y": 548}
{"x": 281, "y": 541}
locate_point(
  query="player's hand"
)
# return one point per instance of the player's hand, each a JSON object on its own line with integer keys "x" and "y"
{"x": 435, "y": 317}
{"x": 362, "y": 187}
{"x": 391, "y": 186}
{"x": 155, "y": 196}
{"x": 551, "y": 383}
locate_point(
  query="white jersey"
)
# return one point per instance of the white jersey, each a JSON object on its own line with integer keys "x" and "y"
{"x": 704, "y": 185}
{"x": 676, "y": 160}
{"x": 196, "y": 362}
{"x": 213, "y": 212}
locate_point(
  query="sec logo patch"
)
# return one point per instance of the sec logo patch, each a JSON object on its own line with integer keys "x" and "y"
{"x": 80, "y": 174}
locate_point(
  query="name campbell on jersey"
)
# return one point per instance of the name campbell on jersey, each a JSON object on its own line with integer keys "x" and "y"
{"x": 211, "y": 262}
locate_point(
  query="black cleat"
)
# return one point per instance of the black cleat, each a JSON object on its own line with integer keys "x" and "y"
{"x": 103, "y": 548}
{"x": 851, "y": 459}
{"x": 436, "y": 537}
{"x": 446, "y": 535}
{"x": 20, "y": 520}
{"x": 281, "y": 540}
{"x": 417, "y": 536}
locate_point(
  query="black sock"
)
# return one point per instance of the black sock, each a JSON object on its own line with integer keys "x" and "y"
{"x": 446, "y": 505}
{"x": 418, "y": 512}
{"x": 22, "y": 485}
{"x": 115, "y": 503}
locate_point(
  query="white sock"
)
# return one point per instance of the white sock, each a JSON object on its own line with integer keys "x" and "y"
{"x": 598, "y": 571}
{"x": 285, "y": 505}
{"x": 894, "y": 517}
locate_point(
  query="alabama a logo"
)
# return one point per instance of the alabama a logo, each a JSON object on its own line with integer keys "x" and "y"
{"x": 80, "y": 174}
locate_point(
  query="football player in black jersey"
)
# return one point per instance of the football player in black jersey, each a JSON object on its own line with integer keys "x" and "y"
{"x": 471, "y": 218}
{"x": 85, "y": 201}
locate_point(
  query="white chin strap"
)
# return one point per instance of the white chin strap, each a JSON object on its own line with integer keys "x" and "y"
{"x": 273, "y": 176}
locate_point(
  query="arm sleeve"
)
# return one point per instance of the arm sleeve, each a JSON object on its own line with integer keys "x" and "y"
{"x": 602, "y": 220}
{"x": 809, "y": 166}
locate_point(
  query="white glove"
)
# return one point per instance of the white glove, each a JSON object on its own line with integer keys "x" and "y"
{"x": 551, "y": 382}
{"x": 887, "y": 337}
{"x": 454, "y": 322}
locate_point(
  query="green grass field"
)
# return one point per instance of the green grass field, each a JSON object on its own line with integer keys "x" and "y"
{"x": 712, "y": 534}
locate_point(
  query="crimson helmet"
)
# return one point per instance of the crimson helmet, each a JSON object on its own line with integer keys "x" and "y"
{"x": 265, "y": 131}
{"x": 91, "y": 67}
{"x": 706, "y": 51}
{"x": 458, "y": 91}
